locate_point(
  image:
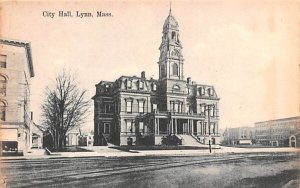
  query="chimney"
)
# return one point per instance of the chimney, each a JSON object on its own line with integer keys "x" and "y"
{"x": 31, "y": 116}
{"x": 143, "y": 74}
{"x": 188, "y": 80}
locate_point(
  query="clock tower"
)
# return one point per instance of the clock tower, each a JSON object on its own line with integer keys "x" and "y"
{"x": 171, "y": 59}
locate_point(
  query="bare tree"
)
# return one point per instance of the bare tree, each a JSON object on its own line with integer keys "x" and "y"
{"x": 64, "y": 108}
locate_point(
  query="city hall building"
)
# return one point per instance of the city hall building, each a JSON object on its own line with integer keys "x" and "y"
{"x": 169, "y": 110}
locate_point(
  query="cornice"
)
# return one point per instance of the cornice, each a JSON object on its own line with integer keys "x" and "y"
{"x": 25, "y": 45}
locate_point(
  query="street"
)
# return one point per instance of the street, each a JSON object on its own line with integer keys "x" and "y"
{"x": 220, "y": 170}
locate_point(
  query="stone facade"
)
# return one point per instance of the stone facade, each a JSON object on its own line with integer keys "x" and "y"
{"x": 16, "y": 70}
{"x": 136, "y": 110}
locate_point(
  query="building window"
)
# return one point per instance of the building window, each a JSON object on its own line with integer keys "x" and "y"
{"x": 154, "y": 87}
{"x": 173, "y": 34}
{"x": 141, "y": 106}
{"x": 106, "y": 128}
{"x": 175, "y": 69}
{"x": 154, "y": 107}
{"x": 107, "y": 108}
{"x": 129, "y": 106}
{"x": 129, "y": 83}
{"x": 141, "y": 127}
{"x": 141, "y": 85}
{"x": 3, "y": 61}
{"x": 129, "y": 126}
{"x": 2, "y": 111}
{"x": 3, "y": 83}
{"x": 176, "y": 87}
{"x": 210, "y": 92}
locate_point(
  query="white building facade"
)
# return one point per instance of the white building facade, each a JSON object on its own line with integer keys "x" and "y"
{"x": 16, "y": 71}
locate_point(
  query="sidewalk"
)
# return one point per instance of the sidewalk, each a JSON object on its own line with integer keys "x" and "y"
{"x": 105, "y": 151}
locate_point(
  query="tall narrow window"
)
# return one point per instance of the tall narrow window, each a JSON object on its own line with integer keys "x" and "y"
{"x": 3, "y": 83}
{"x": 173, "y": 34}
{"x": 154, "y": 87}
{"x": 129, "y": 106}
{"x": 3, "y": 61}
{"x": 175, "y": 69}
{"x": 141, "y": 84}
{"x": 129, "y": 126}
{"x": 141, "y": 106}
{"x": 2, "y": 111}
{"x": 106, "y": 128}
{"x": 141, "y": 127}
{"x": 129, "y": 83}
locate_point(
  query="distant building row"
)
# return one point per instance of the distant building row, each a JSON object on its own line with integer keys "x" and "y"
{"x": 279, "y": 133}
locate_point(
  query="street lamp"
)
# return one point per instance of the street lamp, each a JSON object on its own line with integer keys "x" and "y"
{"x": 208, "y": 121}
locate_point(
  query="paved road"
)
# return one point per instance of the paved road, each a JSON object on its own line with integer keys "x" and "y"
{"x": 236, "y": 170}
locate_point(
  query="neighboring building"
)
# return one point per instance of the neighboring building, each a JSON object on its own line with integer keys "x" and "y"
{"x": 141, "y": 111}
{"x": 37, "y": 136}
{"x": 239, "y": 136}
{"x": 86, "y": 140}
{"x": 16, "y": 70}
{"x": 72, "y": 137}
{"x": 278, "y": 132}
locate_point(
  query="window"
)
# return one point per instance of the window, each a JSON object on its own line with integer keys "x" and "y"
{"x": 106, "y": 128}
{"x": 3, "y": 83}
{"x": 176, "y": 87}
{"x": 141, "y": 127}
{"x": 129, "y": 126}
{"x": 154, "y": 87}
{"x": 3, "y": 61}
{"x": 107, "y": 88}
{"x": 210, "y": 92}
{"x": 175, "y": 69}
{"x": 154, "y": 107}
{"x": 173, "y": 34}
{"x": 141, "y": 85}
{"x": 129, "y": 106}
{"x": 129, "y": 83}
{"x": 202, "y": 106}
{"x": 107, "y": 108}
{"x": 175, "y": 107}
{"x": 141, "y": 106}
{"x": 2, "y": 111}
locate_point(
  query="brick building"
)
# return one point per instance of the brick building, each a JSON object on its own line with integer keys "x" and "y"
{"x": 239, "y": 136}
{"x": 278, "y": 132}
{"x": 167, "y": 110}
{"x": 16, "y": 70}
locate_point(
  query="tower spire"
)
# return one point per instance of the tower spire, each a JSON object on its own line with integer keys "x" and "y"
{"x": 170, "y": 8}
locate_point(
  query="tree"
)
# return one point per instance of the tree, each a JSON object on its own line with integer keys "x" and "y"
{"x": 64, "y": 108}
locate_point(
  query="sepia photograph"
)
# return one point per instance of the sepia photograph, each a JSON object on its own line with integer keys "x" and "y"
{"x": 151, "y": 93}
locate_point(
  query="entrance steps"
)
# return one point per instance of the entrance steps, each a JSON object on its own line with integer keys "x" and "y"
{"x": 188, "y": 140}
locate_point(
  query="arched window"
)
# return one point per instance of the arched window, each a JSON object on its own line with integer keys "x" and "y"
{"x": 173, "y": 34}
{"x": 2, "y": 110}
{"x": 176, "y": 87}
{"x": 175, "y": 69}
{"x": 3, "y": 83}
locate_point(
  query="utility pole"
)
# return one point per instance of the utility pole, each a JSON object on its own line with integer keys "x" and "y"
{"x": 208, "y": 121}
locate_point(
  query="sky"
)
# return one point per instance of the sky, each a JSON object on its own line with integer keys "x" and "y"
{"x": 249, "y": 50}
